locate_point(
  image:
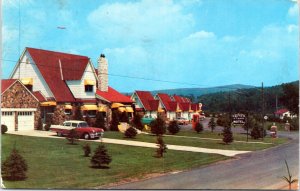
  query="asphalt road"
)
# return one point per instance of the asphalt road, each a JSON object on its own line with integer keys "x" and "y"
{"x": 256, "y": 170}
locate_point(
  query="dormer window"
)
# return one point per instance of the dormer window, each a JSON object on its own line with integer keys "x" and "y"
{"x": 28, "y": 82}
{"x": 89, "y": 85}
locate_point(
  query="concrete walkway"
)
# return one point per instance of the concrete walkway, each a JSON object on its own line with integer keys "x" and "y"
{"x": 50, "y": 134}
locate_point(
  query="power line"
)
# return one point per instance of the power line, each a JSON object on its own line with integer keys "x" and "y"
{"x": 72, "y": 69}
{"x": 117, "y": 75}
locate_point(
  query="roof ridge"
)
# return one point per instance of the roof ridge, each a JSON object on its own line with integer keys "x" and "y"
{"x": 56, "y": 52}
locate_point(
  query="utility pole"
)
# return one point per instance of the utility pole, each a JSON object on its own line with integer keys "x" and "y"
{"x": 263, "y": 109}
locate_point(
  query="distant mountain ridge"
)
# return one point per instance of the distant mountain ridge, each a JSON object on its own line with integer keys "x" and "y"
{"x": 201, "y": 91}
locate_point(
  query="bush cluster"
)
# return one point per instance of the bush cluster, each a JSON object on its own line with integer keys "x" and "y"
{"x": 130, "y": 132}
{"x": 173, "y": 127}
{"x": 3, "y": 129}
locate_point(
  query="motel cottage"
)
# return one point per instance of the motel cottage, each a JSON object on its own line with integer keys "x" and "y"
{"x": 59, "y": 83}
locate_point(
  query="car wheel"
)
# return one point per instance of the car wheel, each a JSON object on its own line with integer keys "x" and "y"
{"x": 86, "y": 136}
{"x": 59, "y": 134}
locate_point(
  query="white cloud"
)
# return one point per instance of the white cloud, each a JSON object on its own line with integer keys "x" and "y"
{"x": 9, "y": 34}
{"x": 143, "y": 22}
{"x": 294, "y": 11}
{"x": 201, "y": 35}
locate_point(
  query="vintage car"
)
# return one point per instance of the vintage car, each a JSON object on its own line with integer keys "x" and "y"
{"x": 182, "y": 121}
{"x": 82, "y": 128}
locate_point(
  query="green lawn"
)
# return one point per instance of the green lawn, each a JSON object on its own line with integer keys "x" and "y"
{"x": 213, "y": 144}
{"x": 55, "y": 164}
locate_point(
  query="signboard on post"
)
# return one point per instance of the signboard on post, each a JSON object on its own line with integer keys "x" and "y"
{"x": 239, "y": 119}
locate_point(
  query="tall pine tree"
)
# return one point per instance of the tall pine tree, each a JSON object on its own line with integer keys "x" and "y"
{"x": 114, "y": 121}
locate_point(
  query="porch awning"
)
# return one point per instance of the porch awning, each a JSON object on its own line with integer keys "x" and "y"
{"x": 160, "y": 110}
{"x": 129, "y": 109}
{"x": 27, "y": 81}
{"x": 68, "y": 106}
{"x": 121, "y": 109}
{"x": 89, "y": 82}
{"x": 89, "y": 107}
{"x": 191, "y": 111}
{"x": 102, "y": 109}
{"x": 48, "y": 103}
{"x": 116, "y": 105}
{"x": 178, "y": 110}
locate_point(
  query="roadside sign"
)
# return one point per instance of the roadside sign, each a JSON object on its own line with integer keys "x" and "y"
{"x": 239, "y": 119}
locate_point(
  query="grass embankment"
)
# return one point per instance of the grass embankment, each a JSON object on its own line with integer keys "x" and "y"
{"x": 189, "y": 138}
{"x": 55, "y": 164}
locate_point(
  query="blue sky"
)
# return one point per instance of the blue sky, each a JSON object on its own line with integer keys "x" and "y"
{"x": 200, "y": 43}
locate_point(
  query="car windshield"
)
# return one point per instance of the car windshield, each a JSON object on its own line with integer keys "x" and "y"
{"x": 83, "y": 124}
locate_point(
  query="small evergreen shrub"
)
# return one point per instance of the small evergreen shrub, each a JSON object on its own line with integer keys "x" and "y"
{"x": 256, "y": 132}
{"x": 87, "y": 150}
{"x": 47, "y": 127}
{"x": 227, "y": 135}
{"x": 198, "y": 127}
{"x": 72, "y": 137}
{"x": 158, "y": 126}
{"x": 162, "y": 147}
{"x": 3, "y": 129}
{"x": 101, "y": 158}
{"x": 14, "y": 167}
{"x": 212, "y": 124}
{"x": 173, "y": 127}
{"x": 130, "y": 132}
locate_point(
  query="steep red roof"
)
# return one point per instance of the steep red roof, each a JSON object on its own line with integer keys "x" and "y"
{"x": 6, "y": 83}
{"x": 184, "y": 106}
{"x": 195, "y": 107}
{"x": 72, "y": 67}
{"x": 149, "y": 103}
{"x": 39, "y": 96}
{"x": 154, "y": 105}
{"x": 184, "y": 103}
{"x": 167, "y": 102}
{"x": 281, "y": 111}
{"x": 113, "y": 95}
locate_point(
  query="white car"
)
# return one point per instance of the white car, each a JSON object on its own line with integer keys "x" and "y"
{"x": 182, "y": 121}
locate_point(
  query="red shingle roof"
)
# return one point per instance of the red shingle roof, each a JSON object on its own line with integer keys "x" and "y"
{"x": 184, "y": 106}
{"x": 281, "y": 111}
{"x": 146, "y": 98}
{"x": 47, "y": 62}
{"x": 195, "y": 107}
{"x": 184, "y": 103}
{"x": 167, "y": 102}
{"x": 6, "y": 83}
{"x": 39, "y": 96}
{"x": 113, "y": 96}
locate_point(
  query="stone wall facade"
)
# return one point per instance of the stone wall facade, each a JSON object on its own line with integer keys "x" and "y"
{"x": 17, "y": 96}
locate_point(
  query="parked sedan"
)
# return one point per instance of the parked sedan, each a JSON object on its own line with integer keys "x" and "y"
{"x": 182, "y": 121}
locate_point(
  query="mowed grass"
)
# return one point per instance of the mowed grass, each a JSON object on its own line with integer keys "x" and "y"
{"x": 190, "y": 138}
{"x": 55, "y": 164}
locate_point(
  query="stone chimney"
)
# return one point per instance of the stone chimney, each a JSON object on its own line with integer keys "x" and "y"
{"x": 102, "y": 73}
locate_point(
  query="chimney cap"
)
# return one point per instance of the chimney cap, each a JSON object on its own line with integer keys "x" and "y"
{"x": 102, "y": 55}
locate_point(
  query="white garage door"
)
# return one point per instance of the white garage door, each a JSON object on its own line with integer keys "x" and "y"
{"x": 25, "y": 120}
{"x": 8, "y": 119}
